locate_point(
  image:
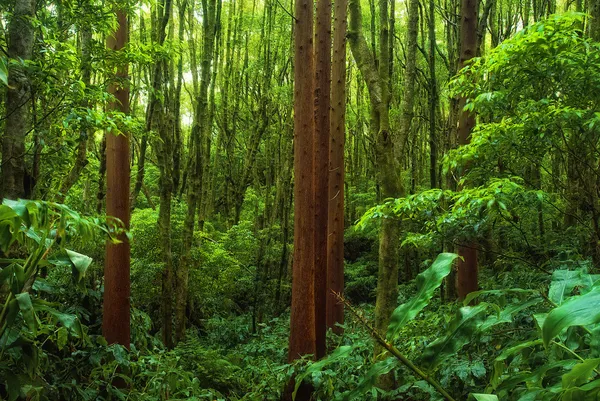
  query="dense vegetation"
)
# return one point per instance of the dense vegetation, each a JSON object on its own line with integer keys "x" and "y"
{"x": 448, "y": 162}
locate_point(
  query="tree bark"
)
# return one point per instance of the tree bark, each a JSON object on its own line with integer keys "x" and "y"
{"x": 200, "y": 128}
{"x": 116, "y": 306}
{"x": 467, "y": 280}
{"x": 86, "y": 77}
{"x": 18, "y": 98}
{"x": 321, "y": 167}
{"x": 302, "y": 324}
{"x": 335, "y": 261}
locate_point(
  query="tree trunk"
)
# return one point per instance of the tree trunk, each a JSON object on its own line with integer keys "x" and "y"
{"x": 158, "y": 121}
{"x": 302, "y": 323}
{"x": 321, "y": 166}
{"x": 18, "y": 97}
{"x": 200, "y": 128}
{"x": 433, "y": 98}
{"x": 467, "y": 281}
{"x": 81, "y": 158}
{"x": 116, "y": 318}
{"x": 335, "y": 261}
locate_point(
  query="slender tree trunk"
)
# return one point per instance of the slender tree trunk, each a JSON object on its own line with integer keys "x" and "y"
{"x": 335, "y": 261}
{"x": 467, "y": 281}
{"x": 101, "y": 194}
{"x": 86, "y": 75}
{"x": 200, "y": 128}
{"x": 116, "y": 317}
{"x": 302, "y": 323}
{"x": 159, "y": 121}
{"x": 18, "y": 98}
{"x": 433, "y": 98}
{"x": 321, "y": 166}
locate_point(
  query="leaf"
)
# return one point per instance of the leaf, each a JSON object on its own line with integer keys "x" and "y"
{"x": 506, "y": 314}
{"x": 70, "y": 322}
{"x": 370, "y": 378}
{"x": 427, "y": 283}
{"x": 80, "y": 263}
{"x": 461, "y": 330}
{"x": 564, "y": 281}
{"x": 476, "y": 294}
{"x": 335, "y": 356}
{"x": 580, "y": 373}
{"x": 9, "y": 227}
{"x": 13, "y": 385}
{"x": 61, "y": 337}
{"x": 576, "y": 311}
{"x": 3, "y": 72}
{"x": 27, "y": 311}
{"x": 483, "y": 397}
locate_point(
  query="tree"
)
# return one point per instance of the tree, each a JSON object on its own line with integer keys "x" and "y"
{"x": 389, "y": 147}
{"x": 466, "y": 275}
{"x": 159, "y": 120}
{"x": 116, "y": 317}
{"x": 321, "y": 166}
{"x": 335, "y": 244}
{"x": 18, "y": 99}
{"x": 200, "y": 130}
{"x": 302, "y": 322}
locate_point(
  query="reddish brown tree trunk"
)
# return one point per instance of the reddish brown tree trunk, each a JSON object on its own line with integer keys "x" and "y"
{"x": 467, "y": 267}
{"x": 115, "y": 321}
{"x": 302, "y": 322}
{"x": 335, "y": 261}
{"x": 321, "y": 167}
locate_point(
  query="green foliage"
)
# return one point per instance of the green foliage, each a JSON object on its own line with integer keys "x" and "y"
{"x": 34, "y": 236}
{"x": 427, "y": 283}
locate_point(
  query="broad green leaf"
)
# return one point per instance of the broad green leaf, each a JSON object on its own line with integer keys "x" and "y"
{"x": 476, "y": 294}
{"x": 61, "y": 337}
{"x": 483, "y": 397}
{"x": 13, "y": 385}
{"x": 506, "y": 314}
{"x": 564, "y": 281}
{"x": 460, "y": 333}
{"x": 335, "y": 356}
{"x": 427, "y": 283}
{"x": 370, "y": 378}
{"x": 9, "y": 227}
{"x": 576, "y": 311}
{"x": 3, "y": 72}
{"x": 27, "y": 311}
{"x": 499, "y": 362}
{"x": 580, "y": 373}
{"x": 70, "y": 322}
{"x": 80, "y": 263}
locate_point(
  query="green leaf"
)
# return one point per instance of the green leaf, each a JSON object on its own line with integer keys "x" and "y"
{"x": 580, "y": 373}
{"x": 13, "y": 385}
{"x": 461, "y": 330}
{"x": 577, "y": 311}
{"x": 27, "y": 310}
{"x": 9, "y": 227}
{"x": 62, "y": 336}
{"x": 370, "y": 378}
{"x": 427, "y": 283}
{"x": 3, "y": 72}
{"x": 506, "y": 314}
{"x": 564, "y": 281}
{"x": 80, "y": 263}
{"x": 335, "y": 356}
{"x": 483, "y": 397}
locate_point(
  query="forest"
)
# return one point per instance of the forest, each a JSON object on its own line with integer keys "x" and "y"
{"x": 270, "y": 200}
